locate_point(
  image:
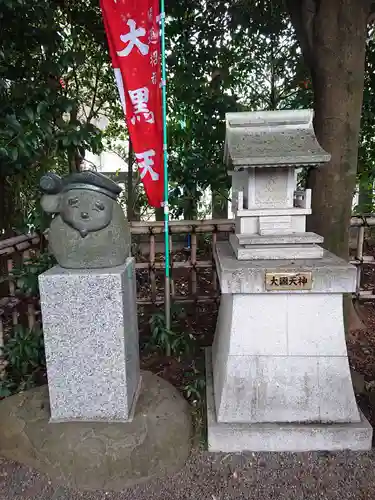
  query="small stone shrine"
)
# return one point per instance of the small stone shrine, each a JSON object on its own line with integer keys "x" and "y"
{"x": 99, "y": 424}
{"x": 278, "y": 376}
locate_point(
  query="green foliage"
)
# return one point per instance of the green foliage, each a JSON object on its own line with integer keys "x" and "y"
{"x": 35, "y": 108}
{"x": 169, "y": 341}
{"x": 194, "y": 392}
{"x": 55, "y": 82}
{"x": 366, "y": 152}
{"x": 27, "y": 274}
{"x": 223, "y": 57}
{"x": 25, "y": 360}
{"x": 195, "y": 385}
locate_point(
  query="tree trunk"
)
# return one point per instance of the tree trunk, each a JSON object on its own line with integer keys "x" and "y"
{"x": 7, "y": 208}
{"x": 220, "y": 204}
{"x": 129, "y": 184}
{"x": 159, "y": 214}
{"x": 75, "y": 160}
{"x": 74, "y": 157}
{"x": 332, "y": 35}
{"x": 333, "y": 40}
{"x": 190, "y": 204}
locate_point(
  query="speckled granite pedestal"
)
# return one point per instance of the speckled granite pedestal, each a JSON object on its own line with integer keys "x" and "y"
{"x": 91, "y": 340}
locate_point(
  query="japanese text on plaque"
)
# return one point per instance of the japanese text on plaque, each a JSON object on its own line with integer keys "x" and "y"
{"x": 288, "y": 281}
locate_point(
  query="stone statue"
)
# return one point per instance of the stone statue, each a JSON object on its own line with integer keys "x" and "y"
{"x": 89, "y": 229}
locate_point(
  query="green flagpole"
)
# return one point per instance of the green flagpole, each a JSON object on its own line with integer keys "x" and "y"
{"x": 165, "y": 155}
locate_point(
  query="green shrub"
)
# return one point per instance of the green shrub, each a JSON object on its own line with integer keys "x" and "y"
{"x": 24, "y": 358}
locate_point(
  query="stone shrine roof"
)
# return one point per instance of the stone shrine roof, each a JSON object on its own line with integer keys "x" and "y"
{"x": 272, "y": 139}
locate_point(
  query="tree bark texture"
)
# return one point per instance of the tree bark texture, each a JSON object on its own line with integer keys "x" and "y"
{"x": 332, "y": 35}
{"x": 7, "y": 208}
{"x": 159, "y": 214}
{"x": 190, "y": 204}
{"x": 129, "y": 185}
{"x": 220, "y": 204}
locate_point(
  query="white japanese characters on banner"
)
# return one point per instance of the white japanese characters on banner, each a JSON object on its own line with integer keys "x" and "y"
{"x": 133, "y": 34}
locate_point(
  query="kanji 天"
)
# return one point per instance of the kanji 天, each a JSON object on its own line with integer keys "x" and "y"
{"x": 146, "y": 163}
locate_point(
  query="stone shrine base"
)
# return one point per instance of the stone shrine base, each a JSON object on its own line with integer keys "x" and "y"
{"x": 99, "y": 456}
{"x": 293, "y": 437}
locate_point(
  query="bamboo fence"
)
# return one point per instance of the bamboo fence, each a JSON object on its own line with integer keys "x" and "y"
{"x": 189, "y": 263}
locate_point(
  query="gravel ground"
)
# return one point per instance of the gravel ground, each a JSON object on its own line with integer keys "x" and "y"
{"x": 303, "y": 476}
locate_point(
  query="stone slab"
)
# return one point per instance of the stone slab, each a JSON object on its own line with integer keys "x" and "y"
{"x": 271, "y": 212}
{"x": 100, "y": 456}
{"x": 91, "y": 341}
{"x": 330, "y": 273}
{"x": 276, "y": 239}
{"x": 290, "y": 365}
{"x": 300, "y": 325}
{"x": 272, "y": 138}
{"x": 285, "y": 366}
{"x": 250, "y": 225}
{"x": 285, "y": 389}
{"x": 294, "y": 437}
{"x": 275, "y": 252}
{"x": 275, "y": 225}
{"x": 270, "y": 188}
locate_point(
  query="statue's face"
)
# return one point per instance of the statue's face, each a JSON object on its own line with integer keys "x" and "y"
{"x": 86, "y": 211}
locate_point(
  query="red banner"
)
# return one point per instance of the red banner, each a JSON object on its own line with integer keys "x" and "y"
{"x": 133, "y": 34}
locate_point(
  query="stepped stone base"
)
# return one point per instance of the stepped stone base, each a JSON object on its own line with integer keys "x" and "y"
{"x": 275, "y": 251}
{"x": 330, "y": 274}
{"x": 248, "y": 240}
{"x": 293, "y": 437}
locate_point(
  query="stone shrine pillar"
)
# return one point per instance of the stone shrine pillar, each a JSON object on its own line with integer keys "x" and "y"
{"x": 89, "y": 302}
{"x": 278, "y": 377}
{"x": 91, "y": 340}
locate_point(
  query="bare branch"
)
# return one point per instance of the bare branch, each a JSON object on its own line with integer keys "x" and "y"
{"x": 284, "y": 97}
{"x": 371, "y": 17}
{"x": 302, "y": 13}
{"x": 308, "y": 14}
{"x": 91, "y": 163}
{"x": 97, "y": 78}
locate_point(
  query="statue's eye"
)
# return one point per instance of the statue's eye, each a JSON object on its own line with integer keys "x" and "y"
{"x": 73, "y": 202}
{"x": 99, "y": 205}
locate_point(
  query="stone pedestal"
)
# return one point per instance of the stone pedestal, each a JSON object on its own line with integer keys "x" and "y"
{"x": 279, "y": 378}
{"x": 281, "y": 437}
{"x": 91, "y": 341}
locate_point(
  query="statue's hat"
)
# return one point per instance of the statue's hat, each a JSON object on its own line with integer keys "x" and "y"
{"x": 51, "y": 183}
